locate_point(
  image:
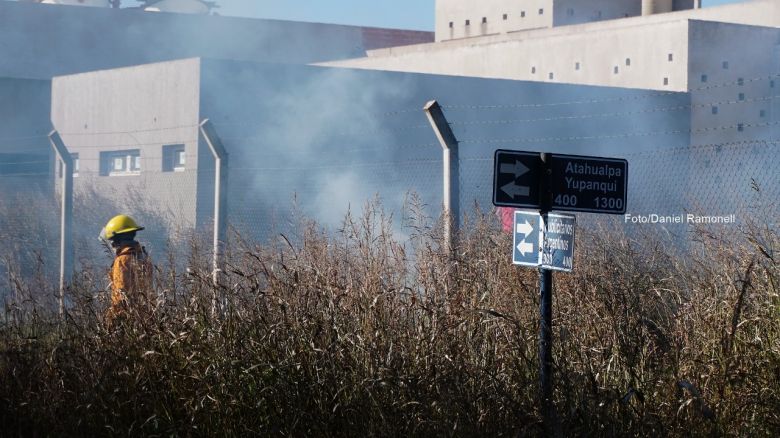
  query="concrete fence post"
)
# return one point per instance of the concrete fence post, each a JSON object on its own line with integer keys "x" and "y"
{"x": 220, "y": 196}
{"x": 66, "y": 217}
{"x": 450, "y": 171}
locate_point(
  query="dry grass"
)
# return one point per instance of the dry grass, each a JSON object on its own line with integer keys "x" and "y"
{"x": 355, "y": 333}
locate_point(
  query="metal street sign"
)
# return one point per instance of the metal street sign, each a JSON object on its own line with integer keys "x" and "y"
{"x": 590, "y": 184}
{"x": 558, "y": 242}
{"x": 527, "y": 238}
{"x": 516, "y": 179}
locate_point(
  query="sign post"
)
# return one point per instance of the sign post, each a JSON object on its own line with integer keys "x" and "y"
{"x": 546, "y": 182}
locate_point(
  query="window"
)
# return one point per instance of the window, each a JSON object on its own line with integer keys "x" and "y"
{"x": 541, "y": 11}
{"x": 468, "y": 22}
{"x": 551, "y": 75}
{"x": 666, "y": 81}
{"x": 628, "y": 61}
{"x": 762, "y": 113}
{"x": 484, "y": 20}
{"x": 740, "y": 82}
{"x": 616, "y": 70}
{"x": 452, "y": 24}
{"x": 576, "y": 65}
{"x": 120, "y": 163}
{"x": 714, "y": 110}
{"x": 670, "y": 57}
{"x": 506, "y": 16}
{"x": 725, "y": 65}
{"x": 740, "y": 127}
{"x": 741, "y": 96}
{"x": 533, "y": 70}
{"x": 174, "y": 158}
{"x": 704, "y": 78}
{"x": 771, "y": 84}
{"x": 522, "y": 14}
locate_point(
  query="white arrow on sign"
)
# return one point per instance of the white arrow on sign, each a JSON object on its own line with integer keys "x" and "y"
{"x": 525, "y": 228}
{"x": 514, "y": 190}
{"x": 525, "y": 248}
{"x": 519, "y": 169}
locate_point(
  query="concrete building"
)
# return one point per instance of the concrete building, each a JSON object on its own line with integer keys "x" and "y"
{"x": 726, "y": 57}
{"x": 329, "y": 138}
{"x": 40, "y": 41}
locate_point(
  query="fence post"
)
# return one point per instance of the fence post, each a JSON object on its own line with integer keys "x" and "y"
{"x": 451, "y": 171}
{"x": 220, "y": 196}
{"x": 66, "y": 216}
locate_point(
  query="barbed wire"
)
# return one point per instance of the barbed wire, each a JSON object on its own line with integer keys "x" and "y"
{"x": 740, "y": 82}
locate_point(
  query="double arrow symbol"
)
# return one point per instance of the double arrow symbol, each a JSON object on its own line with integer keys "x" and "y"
{"x": 518, "y": 169}
{"x": 525, "y": 229}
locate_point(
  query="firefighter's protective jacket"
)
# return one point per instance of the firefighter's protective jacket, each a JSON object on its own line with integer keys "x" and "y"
{"x": 131, "y": 279}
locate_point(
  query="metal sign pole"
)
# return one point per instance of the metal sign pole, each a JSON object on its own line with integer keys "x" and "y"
{"x": 545, "y": 308}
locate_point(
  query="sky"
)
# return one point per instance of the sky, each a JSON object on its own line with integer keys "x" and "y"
{"x": 403, "y": 14}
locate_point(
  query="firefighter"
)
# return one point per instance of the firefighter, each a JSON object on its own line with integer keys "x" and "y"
{"x": 131, "y": 270}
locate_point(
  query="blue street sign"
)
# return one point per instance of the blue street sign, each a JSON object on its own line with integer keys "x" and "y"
{"x": 558, "y": 242}
{"x": 527, "y": 238}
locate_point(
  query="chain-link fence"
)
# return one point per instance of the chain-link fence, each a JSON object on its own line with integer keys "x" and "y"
{"x": 277, "y": 178}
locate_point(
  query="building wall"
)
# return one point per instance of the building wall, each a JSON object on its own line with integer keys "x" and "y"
{"x": 635, "y": 57}
{"x": 487, "y": 17}
{"x": 136, "y": 108}
{"x": 25, "y": 153}
{"x": 41, "y": 41}
{"x": 734, "y": 82}
{"x": 568, "y": 12}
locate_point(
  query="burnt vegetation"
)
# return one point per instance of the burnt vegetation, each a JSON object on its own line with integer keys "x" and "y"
{"x": 361, "y": 332}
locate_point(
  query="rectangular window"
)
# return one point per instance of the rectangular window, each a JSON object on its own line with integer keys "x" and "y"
{"x": 714, "y": 110}
{"x": 666, "y": 81}
{"x": 541, "y": 11}
{"x": 468, "y": 22}
{"x": 522, "y": 14}
{"x": 616, "y": 70}
{"x": 741, "y": 96}
{"x": 740, "y": 82}
{"x": 704, "y": 78}
{"x": 576, "y": 65}
{"x": 452, "y": 24}
{"x": 505, "y": 16}
{"x": 762, "y": 113}
{"x": 533, "y": 70}
{"x": 484, "y": 20}
{"x": 174, "y": 158}
{"x": 725, "y": 65}
{"x": 551, "y": 75}
{"x": 628, "y": 61}
{"x": 740, "y": 127}
{"x": 116, "y": 163}
{"x": 670, "y": 57}
{"x": 771, "y": 84}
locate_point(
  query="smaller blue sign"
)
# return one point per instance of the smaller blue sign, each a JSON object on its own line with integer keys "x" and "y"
{"x": 558, "y": 242}
{"x": 527, "y": 238}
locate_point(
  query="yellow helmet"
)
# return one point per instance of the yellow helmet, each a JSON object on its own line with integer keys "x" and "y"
{"x": 119, "y": 225}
